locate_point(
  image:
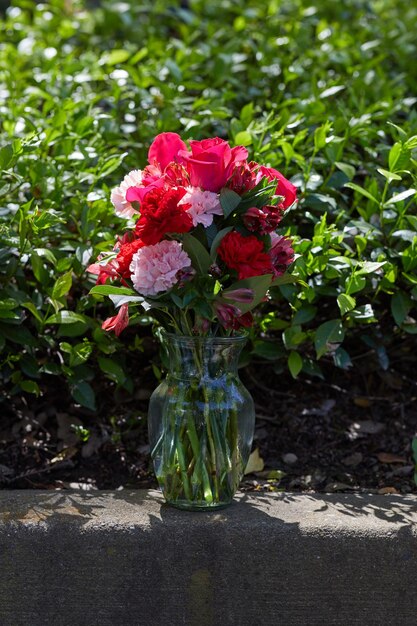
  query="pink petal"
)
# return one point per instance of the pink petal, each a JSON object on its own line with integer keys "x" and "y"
{"x": 165, "y": 148}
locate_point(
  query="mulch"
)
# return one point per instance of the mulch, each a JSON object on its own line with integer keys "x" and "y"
{"x": 351, "y": 432}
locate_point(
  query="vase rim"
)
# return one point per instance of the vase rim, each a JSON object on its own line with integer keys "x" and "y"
{"x": 192, "y": 339}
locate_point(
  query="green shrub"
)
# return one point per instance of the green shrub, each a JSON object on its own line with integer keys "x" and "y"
{"x": 324, "y": 92}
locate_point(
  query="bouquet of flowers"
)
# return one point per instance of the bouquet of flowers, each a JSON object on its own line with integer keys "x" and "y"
{"x": 201, "y": 251}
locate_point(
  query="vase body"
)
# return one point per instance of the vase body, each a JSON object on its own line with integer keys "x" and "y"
{"x": 201, "y": 421}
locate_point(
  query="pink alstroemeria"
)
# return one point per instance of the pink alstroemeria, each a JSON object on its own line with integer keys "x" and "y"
{"x": 281, "y": 253}
{"x": 103, "y": 271}
{"x": 117, "y": 322}
{"x": 227, "y": 313}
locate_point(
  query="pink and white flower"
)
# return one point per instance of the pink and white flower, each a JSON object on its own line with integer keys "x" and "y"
{"x": 204, "y": 205}
{"x": 156, "y": 268}
{"x": 118, "y": 195}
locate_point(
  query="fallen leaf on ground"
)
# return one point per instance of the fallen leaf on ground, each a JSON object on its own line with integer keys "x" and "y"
{"x": 361, "y": 401}
{"x": 386, "y": 457}
{"x": 385, "y": 490}
{"x": 65, "y": 454}
{"x": 333, "y": 487}
{"x": 255, "y": 463}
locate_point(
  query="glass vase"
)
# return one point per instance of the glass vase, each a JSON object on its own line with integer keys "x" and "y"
{"x": 201, "y": 422}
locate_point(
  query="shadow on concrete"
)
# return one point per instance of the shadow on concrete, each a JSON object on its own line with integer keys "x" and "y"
{"x": 144, "y": 507}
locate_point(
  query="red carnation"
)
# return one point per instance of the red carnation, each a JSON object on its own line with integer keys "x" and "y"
{"x": 161, "y": 214}
{"x": 125, "y": 254}
{"x": 245, "y": 255}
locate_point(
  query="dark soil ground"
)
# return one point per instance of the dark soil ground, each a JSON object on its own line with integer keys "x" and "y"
{"x": 352, "y": 432}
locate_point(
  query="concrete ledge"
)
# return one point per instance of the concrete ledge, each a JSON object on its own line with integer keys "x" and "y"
{"x": 125, "y": 559}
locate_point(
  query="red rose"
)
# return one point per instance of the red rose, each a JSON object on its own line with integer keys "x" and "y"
{"x": 284, "y": 187}
{"x": 160, "y": 214}
{"x": 281, "y": 254}
{"x": 211, "y": 162}
{"x": 245, "y": 255}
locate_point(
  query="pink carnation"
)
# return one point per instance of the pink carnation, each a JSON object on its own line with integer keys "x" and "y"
{"x": 155, "y": 268}
{"x": 204, "y": 204}
{"x": 118, "y": 195}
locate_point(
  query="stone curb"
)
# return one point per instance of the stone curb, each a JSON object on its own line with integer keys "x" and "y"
{"x": 125, "y": 559}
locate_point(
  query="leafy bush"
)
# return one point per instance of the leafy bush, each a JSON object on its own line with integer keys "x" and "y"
{"x": 326, "y": 89}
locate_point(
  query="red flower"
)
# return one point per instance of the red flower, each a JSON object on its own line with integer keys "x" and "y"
{"x": 284, "y": 187}
{"x": 125, "y": 254}
{"x": 119, "y": 321}
{"x": 281, "y": 253}
{"x": 230, "y": 316}
{"x": 264, "y": 220}
{"x": 211, "y": 162}
{"x": 244, "y": 177}
{"x": 164, "y": 150}
{"x": 161, "y": 214}
{"x": 245, "y": 255}
{"x": 104, "y": 271}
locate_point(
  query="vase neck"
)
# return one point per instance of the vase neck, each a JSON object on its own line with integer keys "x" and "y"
{"x": 203, "y": 357}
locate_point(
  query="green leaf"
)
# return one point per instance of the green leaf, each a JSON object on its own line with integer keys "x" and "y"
{"x": 390, "y": 176}
{"x": 229, "y": 201}
{"x": 361, "y": 191}
{"x": 62, "y": 286}
{"x": 399, "y": 197}
{"x": 346, "y": 303}
{"x": 399, "y": 157}
{"x": 217, "y": 240}
{"x": 348, "y": 170}
{"x": 6, "y": 156}
{"x": 305, "y": 314}
{"x": 66, "y": 317}
{"x": 270, "y": 350}
{"x": 30, "y": 387}
{"x": 110, "y": 290}
{"x": 83, "y": 393}
{"x": 331, "y": 91}
{"x": 400, "y": 306}
{"x": 35, "y": 312}
{"x": 331, "y": 332}
{"x": 369, "y": 267}
{"x": 295, "y": 363}
{"x": 114, "y": 57}
{"x": 320, "y": 135}
{"x": 244, "y": 138}
{"x": 342, "y": 359}
{"x": 198, "y": 254}
{"x": 364, "y": 314}
{"x": 113, "y": 370}
{"x": 354, "y": 284}
{"x": 259, "y": 285}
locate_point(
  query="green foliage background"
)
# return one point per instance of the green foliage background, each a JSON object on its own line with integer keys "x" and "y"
{"x": 324, "y": 91}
